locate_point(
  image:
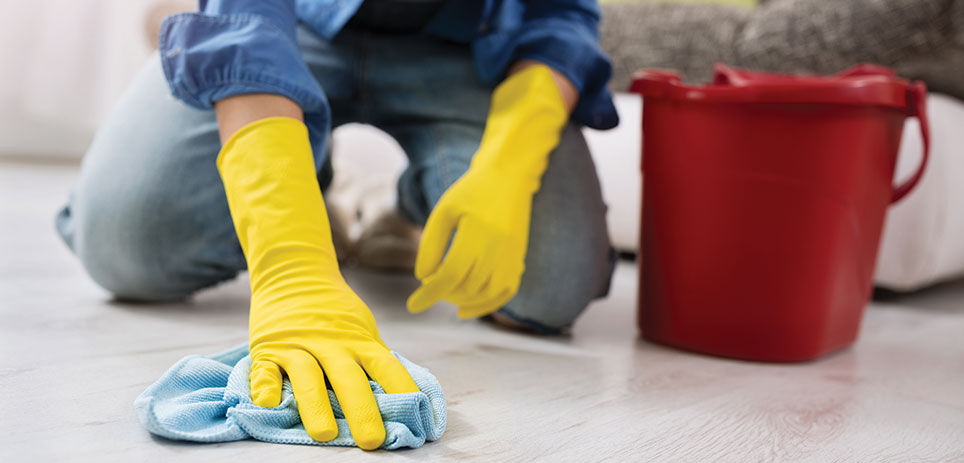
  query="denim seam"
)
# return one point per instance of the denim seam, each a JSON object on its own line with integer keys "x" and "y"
{"x": 298, "y": 94}
{"x": 168, "y": 73}
{"x": 185, "y": 92}
{"x": 441, "y": 162}
{"x": 231, "y": 19}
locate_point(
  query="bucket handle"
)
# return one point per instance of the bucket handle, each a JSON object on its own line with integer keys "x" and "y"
{"x": 917, "y": 96}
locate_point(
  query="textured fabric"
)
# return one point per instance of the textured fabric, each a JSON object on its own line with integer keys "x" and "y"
{"x": 920, "y": 39}
{"x": 397, "y": 16}
{"x": 208, "y": 399}
{"x": 248, "y": 46}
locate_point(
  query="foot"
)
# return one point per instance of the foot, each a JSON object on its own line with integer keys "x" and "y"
{"x": 389, "y": 243}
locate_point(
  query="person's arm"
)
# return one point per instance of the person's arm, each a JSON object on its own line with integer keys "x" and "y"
{"x": 485, "y": 215}
{"x": 237, "y": 51}
{"x": 552, "y": 70}
{"x": 567, "y": 91}
{"x": 238, "y": 111}
{"x": 564, "y": 35}
{"x": 305, "y": 322}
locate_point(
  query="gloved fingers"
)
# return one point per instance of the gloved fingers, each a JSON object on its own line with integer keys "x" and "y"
{"x": 436, "y": 286}
{"x": 503, "y": 275}
{"x": 386, "y": 370}
{"x": 430, "y": 292}
{"x": 461, "y": 296}
{"x": 492, "y": 290}
{"x": 356, "y": 398}
{"x": 476, "y": 284}
{"x": 265, "y": 381}
{"x": 486, "y": 307}
{"x": 435, "y": 239}
{"x": 311, "y": 394}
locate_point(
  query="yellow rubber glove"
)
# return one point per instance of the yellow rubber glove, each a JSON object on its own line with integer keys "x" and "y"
{"x": 304, "y": 319}
{"x": 489, "y": 207}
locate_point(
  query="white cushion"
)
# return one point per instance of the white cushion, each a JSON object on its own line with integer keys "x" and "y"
{"x": 923, "y": 241}
{"x": 616, "y": 153}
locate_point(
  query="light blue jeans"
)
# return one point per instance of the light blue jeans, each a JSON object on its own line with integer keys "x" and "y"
{"x": 149, "y": 219}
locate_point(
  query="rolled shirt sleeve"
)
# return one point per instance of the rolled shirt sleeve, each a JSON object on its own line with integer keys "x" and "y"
{"x": 234, "y": 47}
{"x": 563, "y": 34}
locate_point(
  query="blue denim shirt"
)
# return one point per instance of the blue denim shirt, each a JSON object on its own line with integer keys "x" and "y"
{"x": 233, "y": 47}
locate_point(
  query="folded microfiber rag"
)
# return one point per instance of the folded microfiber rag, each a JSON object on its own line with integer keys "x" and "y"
{"x": 207, "y": 399}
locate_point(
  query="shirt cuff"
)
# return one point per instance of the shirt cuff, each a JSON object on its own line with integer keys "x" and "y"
{"x": 208, "y": 58}
{"x": 573, "y": 53}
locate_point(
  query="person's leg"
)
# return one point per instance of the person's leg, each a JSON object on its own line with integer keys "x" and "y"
{"x": 425, "y": 94}
{"x": 148, "y": 217}
{"x": 569, "y": 243}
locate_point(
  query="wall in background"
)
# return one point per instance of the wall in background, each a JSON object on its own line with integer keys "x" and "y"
{"x": 65, "y": 63}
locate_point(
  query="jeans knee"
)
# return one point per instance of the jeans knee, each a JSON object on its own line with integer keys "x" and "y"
{"x": 120, "y": 257}
{"x": 547, "y": 312}
{"x": 127, "y": 280}
{"x": 142, "y": 245}
{"x": 551, "y": 298}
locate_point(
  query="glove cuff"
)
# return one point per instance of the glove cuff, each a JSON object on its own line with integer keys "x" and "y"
{"x": 279, "y": 215}
{"x": 525, "y": 121}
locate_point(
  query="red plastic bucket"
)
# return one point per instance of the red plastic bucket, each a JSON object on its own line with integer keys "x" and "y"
{"x": 764, "y": 197}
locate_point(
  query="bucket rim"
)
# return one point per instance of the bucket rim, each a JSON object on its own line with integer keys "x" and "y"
{"x": 860, "y": 85}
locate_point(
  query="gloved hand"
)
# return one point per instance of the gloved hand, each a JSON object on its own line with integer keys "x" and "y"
{"x": 489, "y": 207}
{"x": 304, "y": 318}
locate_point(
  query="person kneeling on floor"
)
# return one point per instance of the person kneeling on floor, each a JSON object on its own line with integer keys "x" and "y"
{"x": 174, "y": 197}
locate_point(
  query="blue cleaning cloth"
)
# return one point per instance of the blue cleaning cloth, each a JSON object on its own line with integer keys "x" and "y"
{"x": 207, "y": 399}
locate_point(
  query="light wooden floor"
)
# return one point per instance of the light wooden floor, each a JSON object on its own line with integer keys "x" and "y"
{"x": 72, "y": 362}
